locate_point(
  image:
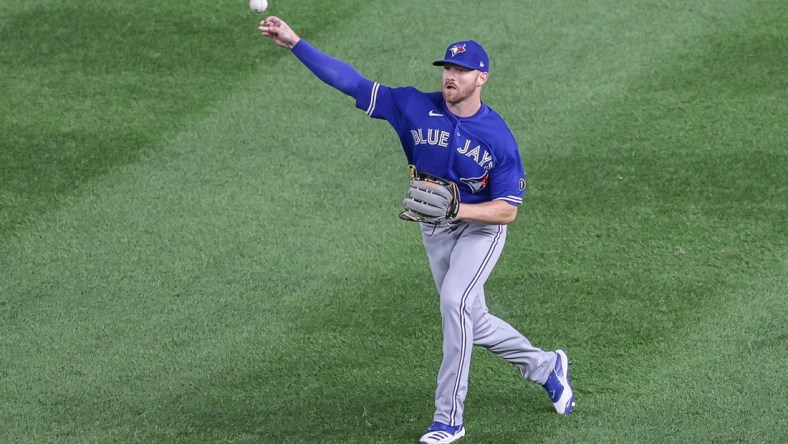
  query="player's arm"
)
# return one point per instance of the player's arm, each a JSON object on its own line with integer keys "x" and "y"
{"x": 493, "y": 212}
{"x": 334, "y": 72}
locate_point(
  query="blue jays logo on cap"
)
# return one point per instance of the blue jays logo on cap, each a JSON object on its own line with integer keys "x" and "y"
{"x": 468, "y": 54}
{"x": 457, "y": 49}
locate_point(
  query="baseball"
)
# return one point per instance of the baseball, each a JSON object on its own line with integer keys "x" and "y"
{"x": 258, "y": 5}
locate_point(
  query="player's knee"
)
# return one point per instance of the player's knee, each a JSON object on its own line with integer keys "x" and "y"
{"x": 451, "y": 304}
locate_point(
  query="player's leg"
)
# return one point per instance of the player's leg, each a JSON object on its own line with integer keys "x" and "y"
{"x": 474, "y": 255}
{"x": 500, "y": 338}
{"x": 546, "y": 368}
{"x": 438, "y": 243}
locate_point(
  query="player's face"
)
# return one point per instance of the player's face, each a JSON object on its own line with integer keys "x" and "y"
{"x": 461, "y": 83}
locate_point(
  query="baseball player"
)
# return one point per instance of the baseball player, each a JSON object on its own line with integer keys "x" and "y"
{"x": 466, "y": 163}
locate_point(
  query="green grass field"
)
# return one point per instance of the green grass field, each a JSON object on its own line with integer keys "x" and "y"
{"x": 199, "y": 240}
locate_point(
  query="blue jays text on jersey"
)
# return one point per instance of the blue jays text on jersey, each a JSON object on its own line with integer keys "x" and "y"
{"x": 479, "y": 153}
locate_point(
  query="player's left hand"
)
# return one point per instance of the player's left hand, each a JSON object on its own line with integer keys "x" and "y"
{"x": 431, "y": 200}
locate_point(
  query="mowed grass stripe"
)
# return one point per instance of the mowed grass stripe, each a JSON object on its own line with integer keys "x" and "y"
{"x": 94, "y": 85}
{"x": 133, "y": 276}
{"x": 682, "y": 228}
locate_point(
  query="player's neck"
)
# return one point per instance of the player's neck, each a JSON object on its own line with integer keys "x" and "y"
{"x": 465, "y": 108}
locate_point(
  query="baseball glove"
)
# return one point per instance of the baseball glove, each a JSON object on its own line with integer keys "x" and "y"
{"x": 430, "y": 199}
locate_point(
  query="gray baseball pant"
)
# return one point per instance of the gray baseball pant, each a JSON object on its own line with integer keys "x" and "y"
{"x": 461, "y": 258}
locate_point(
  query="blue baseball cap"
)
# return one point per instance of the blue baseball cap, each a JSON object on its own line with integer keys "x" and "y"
{"x": 468, "y": 54}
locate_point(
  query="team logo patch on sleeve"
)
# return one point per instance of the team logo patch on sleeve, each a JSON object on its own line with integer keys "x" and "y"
{"x": 476, "y": 184}
{"x": 522, "y": 184}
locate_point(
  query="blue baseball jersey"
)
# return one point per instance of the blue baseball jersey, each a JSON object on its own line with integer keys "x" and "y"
{"x": 478, "y": 153}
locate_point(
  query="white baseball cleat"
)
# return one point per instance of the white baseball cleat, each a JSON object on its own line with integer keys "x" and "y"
{"x": 558, "y": 387}
{"x": 440, "y": 433}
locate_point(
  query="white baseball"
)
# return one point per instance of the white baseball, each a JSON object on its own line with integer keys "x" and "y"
{"x": 258, "y": 5}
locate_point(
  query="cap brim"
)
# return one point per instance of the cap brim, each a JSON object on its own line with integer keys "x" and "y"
{"x": 453, "y": 62}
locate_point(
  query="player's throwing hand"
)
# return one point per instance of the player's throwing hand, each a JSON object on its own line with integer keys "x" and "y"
{"x": 280, "y": 32}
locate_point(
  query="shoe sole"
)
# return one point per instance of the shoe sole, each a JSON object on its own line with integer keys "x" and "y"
{"x": 447, "y": 440}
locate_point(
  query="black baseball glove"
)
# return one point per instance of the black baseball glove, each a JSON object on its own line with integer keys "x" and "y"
{"x": 430, "y": 199}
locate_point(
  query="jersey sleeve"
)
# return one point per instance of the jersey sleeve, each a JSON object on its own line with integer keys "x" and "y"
{"x": 381, "y": 102}
{"x": 330, "y": 70}
{"x": 378, "y": 101}
{"x": 507, "y": 178}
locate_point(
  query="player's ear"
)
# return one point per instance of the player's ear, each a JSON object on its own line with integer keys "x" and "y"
{"x": 481, "y": 79}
